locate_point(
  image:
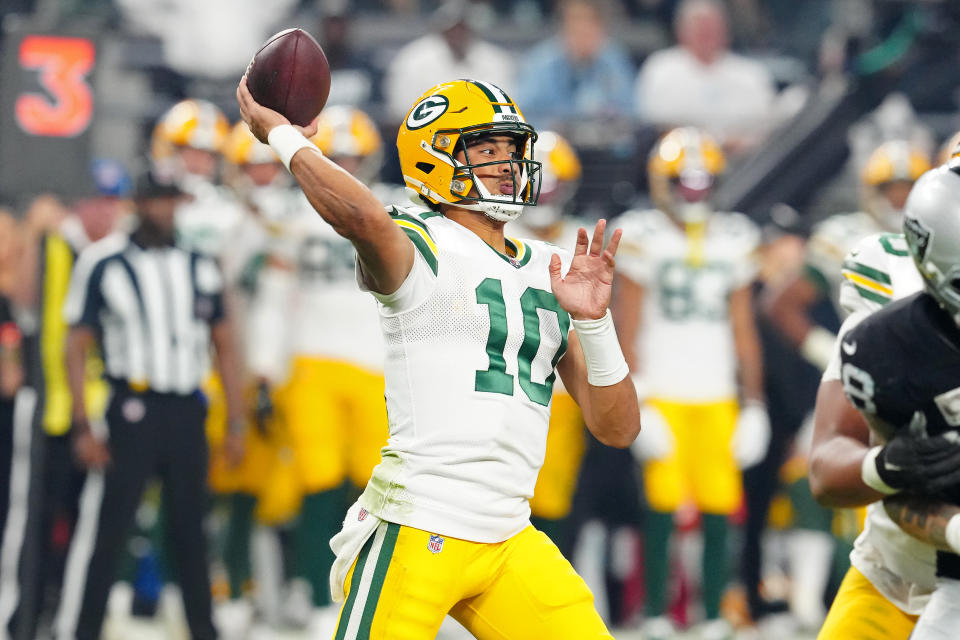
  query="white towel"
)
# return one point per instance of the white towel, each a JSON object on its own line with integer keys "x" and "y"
{"x": 358, "y": 526}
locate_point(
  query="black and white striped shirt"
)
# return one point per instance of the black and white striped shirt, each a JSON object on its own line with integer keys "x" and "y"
{"x": 152, "y": 309}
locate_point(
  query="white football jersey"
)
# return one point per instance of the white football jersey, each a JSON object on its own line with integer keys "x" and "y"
{"x": 830, "y": 242}
{"x": 877, "y": 270}
{"x": 208, "y": 221}
{"x": 685, "y": 344}
{"x": 313, "y": 299}
{"x": 472, "y": 341}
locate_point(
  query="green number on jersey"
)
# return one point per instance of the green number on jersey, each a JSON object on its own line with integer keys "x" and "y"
{"x": 495, "y": 378}
{"x": 687, "y": 292}
{"x": 894, "y": 244}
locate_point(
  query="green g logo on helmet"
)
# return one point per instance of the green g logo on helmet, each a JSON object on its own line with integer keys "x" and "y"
{"x": 426, "y": 111}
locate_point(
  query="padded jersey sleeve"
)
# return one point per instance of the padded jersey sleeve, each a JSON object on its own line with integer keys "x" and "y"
{"x": 422, "y": 279}
{"x": 866, "y": 284}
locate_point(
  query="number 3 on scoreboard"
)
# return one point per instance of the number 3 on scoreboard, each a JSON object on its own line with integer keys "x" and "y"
{"x": 63, "y": 64}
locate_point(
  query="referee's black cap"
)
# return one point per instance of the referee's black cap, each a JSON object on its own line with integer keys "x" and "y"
{"x": 149, "y": 184}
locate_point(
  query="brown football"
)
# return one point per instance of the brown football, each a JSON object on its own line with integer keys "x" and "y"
{"x": 290, "y": 74}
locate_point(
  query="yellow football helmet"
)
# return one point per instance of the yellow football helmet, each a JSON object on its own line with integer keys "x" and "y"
{"x": 887, "y": 177}
{"x": 438, "y": 126}
{"x": 242, "y": 147}
{"x": 682, "y": 169}
{"x": 559, "y": 178}
{"x": 193, "y": 123}
{"x": 349, "y": 137}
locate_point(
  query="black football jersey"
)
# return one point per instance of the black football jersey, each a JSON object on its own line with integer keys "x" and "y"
{"x": 902, "y": 364}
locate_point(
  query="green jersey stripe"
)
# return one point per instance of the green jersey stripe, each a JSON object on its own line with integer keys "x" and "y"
{"x": 869, "y": 272}
{"x": 396, "y": 215}
{"x": 872, "y": 295}
{"x": 423, "y": 248}
{"x": 379, "y": 576}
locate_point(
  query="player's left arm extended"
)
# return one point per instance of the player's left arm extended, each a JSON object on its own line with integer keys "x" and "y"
{"x": 926, "y": 519}
{"x": 593, "y": 368}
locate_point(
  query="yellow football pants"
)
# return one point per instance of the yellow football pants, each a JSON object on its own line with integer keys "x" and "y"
{"x": 701, "y": 465}
{"x": 553, "y": 495}
{"x": 246, "y": 477}
{"x": 336, "y": 418}
{"x": 519, "y": 589}
{"x": 860, "y": 612}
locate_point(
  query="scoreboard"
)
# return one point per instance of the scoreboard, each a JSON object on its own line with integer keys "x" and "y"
{"x": 47, "y": 111}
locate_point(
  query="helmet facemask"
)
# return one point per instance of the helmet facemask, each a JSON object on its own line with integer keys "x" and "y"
{"x": 690, "y": 196}
{"x": 524, "y": 171}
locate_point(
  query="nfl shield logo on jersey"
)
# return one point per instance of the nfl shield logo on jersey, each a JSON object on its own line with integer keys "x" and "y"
{"x": 362, "y": 515}
{"x": 435, "y": 544}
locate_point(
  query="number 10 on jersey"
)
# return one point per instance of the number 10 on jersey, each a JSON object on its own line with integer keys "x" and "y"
{"x": 495, "y": 378}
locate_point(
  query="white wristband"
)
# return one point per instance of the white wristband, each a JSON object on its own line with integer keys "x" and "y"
{"x": 952, "y": 533}
{"x": 601, "y": 350}
{"x": 818, "y": 347}
{"x": 286, "y": 141}
{"x": 870, "y": 476}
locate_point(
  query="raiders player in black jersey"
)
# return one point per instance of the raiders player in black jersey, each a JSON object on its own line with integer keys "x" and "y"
{"x": 901, "y": 369}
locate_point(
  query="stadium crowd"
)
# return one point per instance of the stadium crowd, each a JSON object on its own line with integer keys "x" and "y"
{"x": 744, "y": 147}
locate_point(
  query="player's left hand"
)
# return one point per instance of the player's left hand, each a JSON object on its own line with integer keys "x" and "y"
{"x": 261, "y": 119}
{"x": 584, "y": 292}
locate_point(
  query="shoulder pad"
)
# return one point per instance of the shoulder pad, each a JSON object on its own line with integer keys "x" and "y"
{"x": 412, "y": 221}
{"x": 867, "y": 284}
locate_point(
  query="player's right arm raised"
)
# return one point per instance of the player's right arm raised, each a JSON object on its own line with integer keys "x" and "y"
{"x": 386, "y": 254}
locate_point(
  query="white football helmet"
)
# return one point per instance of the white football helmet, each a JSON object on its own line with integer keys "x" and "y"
{"x": 931, "y": 224}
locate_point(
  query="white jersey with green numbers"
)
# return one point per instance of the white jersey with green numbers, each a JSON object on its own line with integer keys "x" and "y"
{"x": 472, "y": 341}
{"x": 685, "y": 345}
{"x": 830, "y": 242}
{"x": 878, "y": 270}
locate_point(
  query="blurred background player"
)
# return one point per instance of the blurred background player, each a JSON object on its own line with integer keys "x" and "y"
{"x": 553, "y": 221}
{"x": 885, "y": 181}
{"x": 54, "y": 235}
{"x": 326, "y": 366}
{"x": 686, "y": 323}
{"x": 187, "y": 146}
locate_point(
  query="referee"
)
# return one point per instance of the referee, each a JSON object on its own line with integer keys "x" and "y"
{"x": 154, "y": 308}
